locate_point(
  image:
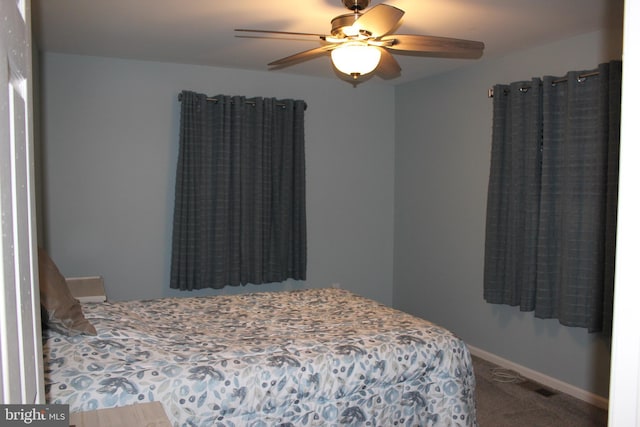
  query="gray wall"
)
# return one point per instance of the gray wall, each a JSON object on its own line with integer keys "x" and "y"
{"x": 110, "y": 134}
{"x": 443, "y": 139}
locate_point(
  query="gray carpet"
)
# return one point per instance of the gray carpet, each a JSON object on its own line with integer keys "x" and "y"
{"x": 526, "y": 403}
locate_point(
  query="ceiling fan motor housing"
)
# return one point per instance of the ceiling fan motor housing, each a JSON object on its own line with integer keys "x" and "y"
{"x": 355, "y": 5}
{"x": 340, "y": 22}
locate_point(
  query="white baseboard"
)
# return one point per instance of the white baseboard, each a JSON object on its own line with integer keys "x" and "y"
{"x": 541, "y": 378}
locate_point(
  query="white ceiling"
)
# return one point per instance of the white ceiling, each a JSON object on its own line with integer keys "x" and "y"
{"x": 202, "y": 31}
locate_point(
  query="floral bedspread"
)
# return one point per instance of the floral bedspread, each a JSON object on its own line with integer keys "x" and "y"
{"x": 316, "y": 357}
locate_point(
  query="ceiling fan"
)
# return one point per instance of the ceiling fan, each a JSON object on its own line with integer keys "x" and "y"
{"x": 360, "y": 42}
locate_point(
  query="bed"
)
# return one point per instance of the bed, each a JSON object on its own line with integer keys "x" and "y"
{"x": 314, "y": 357}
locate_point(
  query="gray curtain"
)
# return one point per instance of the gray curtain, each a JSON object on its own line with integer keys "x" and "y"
{"x": 239, "y": 213}
{"x": 552, "y": 199}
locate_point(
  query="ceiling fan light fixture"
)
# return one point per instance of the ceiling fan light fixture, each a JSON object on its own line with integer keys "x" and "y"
{"x": 355, "y": 58}
{"x": 358, "y": 41}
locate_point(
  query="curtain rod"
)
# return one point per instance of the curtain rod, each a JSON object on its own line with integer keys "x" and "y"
{"x": 560, "y": 80}
{"x": 279, "y": 104}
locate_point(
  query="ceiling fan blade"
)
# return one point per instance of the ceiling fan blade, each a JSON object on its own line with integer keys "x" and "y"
{"x": 289, "y": 33}
{"x": 388, "y": 68}
{"x": 379, "y": 20}
{"x": 301, "y": 56}
{"x": 435, "y": 46}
